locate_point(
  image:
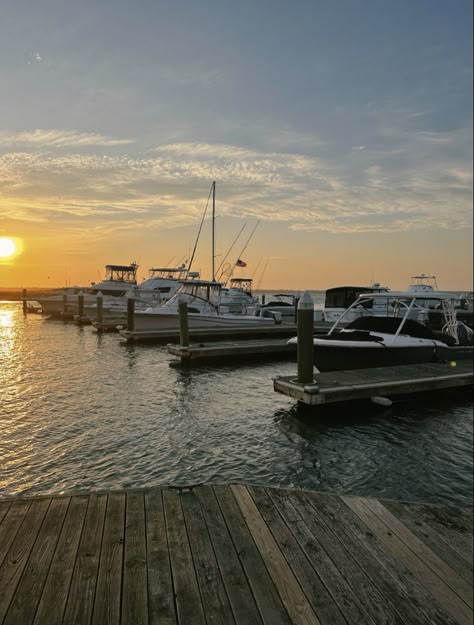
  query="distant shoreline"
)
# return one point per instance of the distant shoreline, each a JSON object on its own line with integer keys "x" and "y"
{"x": 16, "y": 294}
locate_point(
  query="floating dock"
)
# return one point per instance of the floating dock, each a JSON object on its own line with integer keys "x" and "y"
{"x": 232, "y": 555}
{"x": 340, "y": 386}
{"x": 284, "y": 330}
{"x": 231, "y": 350}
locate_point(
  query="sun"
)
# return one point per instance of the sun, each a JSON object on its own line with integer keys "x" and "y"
{"x": 7, "y": 247}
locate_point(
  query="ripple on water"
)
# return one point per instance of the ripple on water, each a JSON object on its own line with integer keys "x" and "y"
{"x": 81, "y": 411}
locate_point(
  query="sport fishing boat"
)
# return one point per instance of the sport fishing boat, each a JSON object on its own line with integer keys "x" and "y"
{"x": 203, "y": 299}
{"x": 401, "y": 338}
{"x": 118, "y": 279}
{"x": 237, "y": 298}
{"x": 159, "y": 287}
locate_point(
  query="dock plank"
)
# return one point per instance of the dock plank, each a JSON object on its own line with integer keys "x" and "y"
{"x": 188, "y": 600}
{"x": 379, "y": 607}
{"x": 347, "y": 601}
{"x": 213, "y": 595}
{"x": 135, "y": 592}
{"x": 237, "y": 587}
{"x": 109, "y": 581}
{"x": 232, "y": 555}
{"x": 11, "y": 523}
{"x": 15, "y": 560}
{"x": 438, "y": 542}
{"x": 435, "y": 563}
{"x": 379, "y": 566}
{"x": 80, "y": 601}
{"x": 266, "y": 595}
{"x": 160, "y": 587}
{"x": 290, "y": 591}
{"x": 324, "y": 605}
{"x": 443, "y": 593}
{"x": 25, "y": 601}
{"x": 53, "y": 599}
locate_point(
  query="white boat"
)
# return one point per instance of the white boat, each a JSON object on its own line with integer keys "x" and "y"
{"x": 238, "y": 299}
{"x": 118, "y": 279}
{"x": 160, "y": 286}
{"x": 282, "y": 303}
{"x": 203, "y": 299}
{"x": 338, "y": 299}
{"x": 399, "y": 338}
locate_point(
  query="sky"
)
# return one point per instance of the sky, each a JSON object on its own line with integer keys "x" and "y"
{"x": 343, "y": 129}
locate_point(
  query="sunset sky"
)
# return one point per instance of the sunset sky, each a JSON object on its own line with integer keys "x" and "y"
{"x": 345, "y": 127}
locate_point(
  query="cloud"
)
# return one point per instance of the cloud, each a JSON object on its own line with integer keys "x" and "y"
{"x": 60, "y": 138}
{"x": 423, "y": 183}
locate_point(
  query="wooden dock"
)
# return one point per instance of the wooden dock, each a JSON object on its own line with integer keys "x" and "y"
{"x": 340, "y": 386}
{"x": 285, "y": 330}
{"x": 232, "y": 555}
{"x": 232, "y": 350}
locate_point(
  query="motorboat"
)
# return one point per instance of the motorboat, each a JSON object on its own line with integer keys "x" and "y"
{"x": 118, "y": 279}
{"x": 282, "y": 303}
{"x": 237, "y": 298}
{"x": 338, "y": 299}
{"x": 203, "y": 299}
{"x": 160, "y": 286}
{"x": 402, "y": 337}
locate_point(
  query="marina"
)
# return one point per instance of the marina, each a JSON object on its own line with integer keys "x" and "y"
{"x": 237, "y": 554}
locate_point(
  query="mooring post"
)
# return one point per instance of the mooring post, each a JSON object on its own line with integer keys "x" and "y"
{"x": 305, "y": 329}
{"x": 263, "y": 299}
{"x": 183, "y": 324}
{"x": 25, "y": 302}
{"x": 296, "y": 301}
{"x": 80, "y": 303}
{"x": 131, "y": 314}
{"x": 100, "y": 307}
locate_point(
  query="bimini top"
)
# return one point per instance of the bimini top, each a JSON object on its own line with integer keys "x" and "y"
{"x": 237, "y": 280}
{"x": 132, "y": 267}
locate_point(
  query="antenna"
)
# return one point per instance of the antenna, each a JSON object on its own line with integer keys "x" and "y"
{"x": 200, "y": 228}
{"x": 213, "y": 228}
{"x": 263, "y": 273}
{"x": 243, "y": 250}
{"x": 234, "y": 242}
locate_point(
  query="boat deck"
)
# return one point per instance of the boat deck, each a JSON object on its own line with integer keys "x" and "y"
{"x": 235, "y": 555}
{"x": 340, "y": 386}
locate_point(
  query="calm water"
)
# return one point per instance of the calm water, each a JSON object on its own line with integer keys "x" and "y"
{"x": 80, "y": 411}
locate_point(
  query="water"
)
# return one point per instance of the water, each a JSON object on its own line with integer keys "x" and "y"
{"x": 82, "y": 411}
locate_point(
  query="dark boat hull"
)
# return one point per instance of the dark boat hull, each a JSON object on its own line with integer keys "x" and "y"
{"x": 330, "y": 358}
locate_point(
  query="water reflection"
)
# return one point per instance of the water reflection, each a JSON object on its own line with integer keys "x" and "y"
{"x": 80, "y": 410}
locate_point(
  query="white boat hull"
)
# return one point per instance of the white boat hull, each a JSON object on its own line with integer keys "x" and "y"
{"x": 170, "y": 321}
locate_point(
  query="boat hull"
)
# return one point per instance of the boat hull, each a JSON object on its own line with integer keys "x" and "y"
{"x": 170, "y": 321}
{"x": 330, "y": 358}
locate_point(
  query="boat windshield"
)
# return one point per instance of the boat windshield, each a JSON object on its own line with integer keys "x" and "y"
{"x": 198, "y": 290}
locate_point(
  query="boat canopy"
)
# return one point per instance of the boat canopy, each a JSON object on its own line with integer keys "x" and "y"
{"x": 343, "y": 296}
{"x": 132, "y": 267}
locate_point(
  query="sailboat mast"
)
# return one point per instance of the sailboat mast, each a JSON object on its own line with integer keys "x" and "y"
{"x": 213, "y": 229}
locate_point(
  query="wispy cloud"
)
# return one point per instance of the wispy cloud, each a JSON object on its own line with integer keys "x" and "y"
{"x": 424, "y": 183}
{"x": 60, "y": 138}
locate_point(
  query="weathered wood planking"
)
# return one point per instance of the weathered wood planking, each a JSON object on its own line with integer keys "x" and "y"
{"x": 232, "y": 555}
{"x": 343, "y": 386}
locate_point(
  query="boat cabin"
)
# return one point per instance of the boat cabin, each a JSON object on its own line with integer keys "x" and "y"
{"x": 200, "y": 295}
{"x": 243, "y": 284}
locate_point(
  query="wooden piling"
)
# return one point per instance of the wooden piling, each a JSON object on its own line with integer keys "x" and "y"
{"x": 25, "y": 302}
{"x": 263, "y": 299}
{"x": 295, "y": 303}
{"x": 100, "y": 307}
{"x": 80, "y": 303}
{"x": 305, "y": 332}
{"x": 131, "y": 314}
{"x": 183, "y": 324}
